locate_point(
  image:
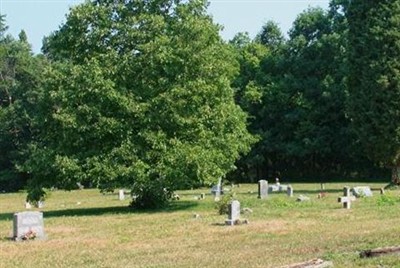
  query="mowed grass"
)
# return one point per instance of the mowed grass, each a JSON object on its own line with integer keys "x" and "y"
{"x": 88, "y": 229}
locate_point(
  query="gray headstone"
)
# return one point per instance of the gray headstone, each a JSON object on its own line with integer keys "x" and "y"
{"x": 234, "y": 213}
{"x": 362, "y": 191}
{"x": 121, "y": 195}
{"x": 289, "y": 191}
{"x": 262, "y": 189}
{"x": 28, "y": 225}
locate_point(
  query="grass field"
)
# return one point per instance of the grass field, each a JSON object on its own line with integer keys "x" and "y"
{"x": 88, "y": 229}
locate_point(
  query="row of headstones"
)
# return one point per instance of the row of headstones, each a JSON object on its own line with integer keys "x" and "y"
{"x": 264, "y": 189}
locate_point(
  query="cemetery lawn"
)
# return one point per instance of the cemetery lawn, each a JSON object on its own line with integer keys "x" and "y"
{"x": 88, "y": 229}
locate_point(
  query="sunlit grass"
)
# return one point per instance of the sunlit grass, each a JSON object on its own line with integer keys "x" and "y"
{"x": 88, "y": 229}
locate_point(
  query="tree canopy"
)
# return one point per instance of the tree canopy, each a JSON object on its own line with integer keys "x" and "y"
{"x": 138, "y": 97}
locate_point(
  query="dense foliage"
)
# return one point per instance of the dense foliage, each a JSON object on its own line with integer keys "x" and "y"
{"x": 20, "y": 75}
{"x": 374, "y": 79}
{"x": 139, "y": 97}
{"x": 145, "y": 95}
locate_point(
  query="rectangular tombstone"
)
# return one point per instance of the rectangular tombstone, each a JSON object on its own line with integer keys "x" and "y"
{"x": 218, "y": 190}
{"x": 262, "y": 189}
{"x": 234, "y": 213}
{"x": 273, "y": 188}
{"x": 121, "y": 195}
{"x": 28, "y": 225}
{"x": 289, "y": 191}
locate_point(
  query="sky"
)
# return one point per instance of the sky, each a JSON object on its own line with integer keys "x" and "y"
{"x": 41, "y": 17}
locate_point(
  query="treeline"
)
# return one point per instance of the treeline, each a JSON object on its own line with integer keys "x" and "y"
{"x": 156, "y": 106}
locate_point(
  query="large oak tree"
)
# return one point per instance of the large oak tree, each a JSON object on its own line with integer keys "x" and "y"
{"x": 139, "y": 97}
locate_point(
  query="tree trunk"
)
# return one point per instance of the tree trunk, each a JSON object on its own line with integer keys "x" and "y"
{"x": 396, "y": 175}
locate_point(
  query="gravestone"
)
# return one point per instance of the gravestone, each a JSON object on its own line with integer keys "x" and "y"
{"x": 28, "y": 205}
{"x": 382, "y": 190}
{"x": 39, "y": 204}
{"x": 218, "y": 190}
{"x": 121, "y": 195}
{"x": 290, "y": 191}
{"x": 362, "y": 191}
{"x": 273, "y": 188}
{"x": 233, "y": 213}
{"x": 28, "y": 225}
{"x": 202, "y": 196}
{"x": 262, "y": 189}
{"x": 347, "y": 198}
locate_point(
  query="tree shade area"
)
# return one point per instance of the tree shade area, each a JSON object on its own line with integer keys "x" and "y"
{"x": 146, "y": 95}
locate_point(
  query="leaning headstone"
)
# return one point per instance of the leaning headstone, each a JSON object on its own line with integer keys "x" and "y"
{"x": 290, "y": 191}
{"x": 347, "y": 198}
{"x": 262, "y": 189}
{"x": 121, "y": 195}
{"x": 362, "y": 191}
{"x": 28, "y": 225}
{"x": 233, "y": 213}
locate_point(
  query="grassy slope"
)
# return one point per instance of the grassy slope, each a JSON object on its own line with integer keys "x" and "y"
{"x": 87, "y": 229}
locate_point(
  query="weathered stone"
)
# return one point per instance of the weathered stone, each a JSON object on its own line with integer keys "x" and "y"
{"x": 262, "y": 189}
{"x": 362, "y": 191}
{"x": 28, "y": 225}
{"x": 233, "y": 213}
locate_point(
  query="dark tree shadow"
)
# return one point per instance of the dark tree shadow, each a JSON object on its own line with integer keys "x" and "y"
{"x": 173, "y": 207}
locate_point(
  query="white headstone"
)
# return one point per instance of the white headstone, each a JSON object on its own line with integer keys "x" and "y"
{"x": 218, "y": 190}
{"x": 347, "y": 198}
{"x": 28, "y": 205}
{"x": 262, "y": 189}
{"x": 121, "y": 195}
{"x": 362, "y": 191}
{"x": 28, "y": 225}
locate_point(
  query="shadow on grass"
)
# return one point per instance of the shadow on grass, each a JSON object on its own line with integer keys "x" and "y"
{"x": 80, "y": 212}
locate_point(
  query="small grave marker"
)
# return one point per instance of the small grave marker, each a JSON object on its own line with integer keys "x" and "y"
{"x": 28, "y": 225}
{"x": 218, "y": 190}
{"x": 382, "y": 191}
{"x": 290, "y": 191}
{"x": 202, "y": 196}
{"x": 262, "y": 189}
{"x": 234, "y": 213}
{"x": 28, "y": 205}
{"x": 121, "y": 195}
{"x": 347, "y": 198}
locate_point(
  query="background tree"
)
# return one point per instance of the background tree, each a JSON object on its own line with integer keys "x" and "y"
{"x": 139, "y": 97}
{"x": 20, "y": 75}
{"x": 374, "y": 80}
